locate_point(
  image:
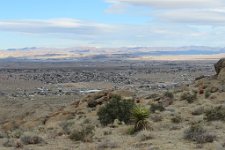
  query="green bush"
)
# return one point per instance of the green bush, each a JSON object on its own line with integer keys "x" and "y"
{"x": 116, "y": 108}
{"x": 189, "y": 97}
{"x": 197, "y": 133}
{"x": 216, "y": 113}
{"x": 155, "y": 107}
{"x": 85, "y": 134}
{"x": 139, "y": 115}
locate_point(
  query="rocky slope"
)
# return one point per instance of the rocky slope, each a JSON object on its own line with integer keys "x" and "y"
{"x": 200, "y": 103}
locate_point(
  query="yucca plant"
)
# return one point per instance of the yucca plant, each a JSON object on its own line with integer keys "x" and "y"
{"x": 139, "y": 115}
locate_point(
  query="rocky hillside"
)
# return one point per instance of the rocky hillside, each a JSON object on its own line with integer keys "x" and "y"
{"x": 189, "y": 117}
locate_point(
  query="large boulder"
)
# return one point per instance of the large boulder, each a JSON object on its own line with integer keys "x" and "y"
{"x": 219, "y": 65}
{"x": 220, "y": 69}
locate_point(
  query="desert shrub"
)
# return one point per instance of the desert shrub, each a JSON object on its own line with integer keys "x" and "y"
{"x": 176, "y": 119}
{"x": 9, "y": 143}
{"x": 189, "y": 97}
{"x": 29, "y": 139}
{"x": 107, "y": 132}
{"x": 85, "y": 134}
{"x": 207, "y": 93}
{"x": 169, "y": 94}
{"x": 216, "y": 113}
{"x": 156, "y": 107}
{"x": 130, "y": 131}
{"x": 13, "y": 143}
{"x": 139, "y": 115}
{"x": 198, "y": 134}
{"x": 198, "y": 111}
{"x": 156, "y": 117}
{"x": 116, "y": 108}
{"x": 66, "y": 126}
{"x": 16, "y": 133}
{"x": 4, "y": 134}
{"x": 108, "y": 144}
{"x": 154, "y": 95}
{"x": 145, "y": 135}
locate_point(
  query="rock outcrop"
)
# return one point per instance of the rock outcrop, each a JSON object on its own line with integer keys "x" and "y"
{"x": 220, "y": 69}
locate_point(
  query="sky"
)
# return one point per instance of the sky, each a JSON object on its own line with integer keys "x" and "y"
{"x": 111, "y": 23}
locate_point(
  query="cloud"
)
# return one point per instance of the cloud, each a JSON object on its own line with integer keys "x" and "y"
{"x": 171, "y": 3}
{"x": 55, "y": 26}
{"x": 63, "y": 32}
{"x": 202, "y": 17}
{"x": 204, "y": 12}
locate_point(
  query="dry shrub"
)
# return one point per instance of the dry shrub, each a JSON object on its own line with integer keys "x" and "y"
{"x": 176, "y": 119}
{"x": 85, "y": 134}
{"x": 156, "y": 107}
{"x": 198, "y": 134}
{"x": 108, "y": 144}
{"x": 31, "y": 139}
{"x": 144, "y": 135}
{"x": 216, "y": 113}
{"x": 189, "y": 97}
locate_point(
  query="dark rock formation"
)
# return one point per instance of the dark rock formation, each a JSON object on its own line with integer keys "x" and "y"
{"x": 220, "y": 69}
{"x": 219, "y": 65}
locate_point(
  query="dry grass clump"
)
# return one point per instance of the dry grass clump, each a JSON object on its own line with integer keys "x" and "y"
{"x": 216, "y": 113}
{"x": 198, "y": 134}
{"x": 85, "y": 134}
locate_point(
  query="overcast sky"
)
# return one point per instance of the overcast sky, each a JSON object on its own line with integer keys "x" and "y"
{"x": 112, "y": 23}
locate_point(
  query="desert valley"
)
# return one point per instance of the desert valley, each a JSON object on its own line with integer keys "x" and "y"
{"x": 57, "y": 105}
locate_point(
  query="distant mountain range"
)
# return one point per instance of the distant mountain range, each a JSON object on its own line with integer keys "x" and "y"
{"x": 102, "y": 54}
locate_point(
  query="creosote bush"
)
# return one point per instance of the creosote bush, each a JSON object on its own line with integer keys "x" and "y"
{"x": 216, "y": 113}
{"x": 85, "y": 134}
{"x": 197, "y": 133}
{"x": 116, "y": 108}
{"x": 139, "y": 115}
{"x": 189, "y": 97}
